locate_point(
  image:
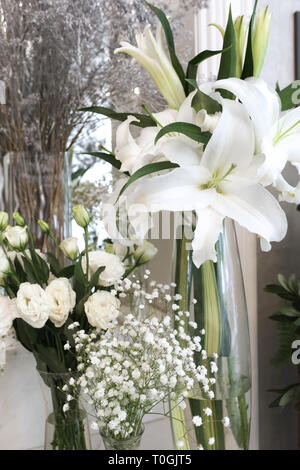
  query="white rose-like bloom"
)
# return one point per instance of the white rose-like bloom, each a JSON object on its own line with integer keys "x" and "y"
{"x": 33, "y": 304}
{"x": 114, "y": 268}
{"x": 101, "y": 309}
{"x": 8, "y": 312}
{"x": 4, "y": 264}
{"x": 62, "y": 299}
{"x": 16, "y": 236}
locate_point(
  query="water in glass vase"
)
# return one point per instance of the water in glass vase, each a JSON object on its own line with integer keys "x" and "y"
{"x": 220, "y": 311}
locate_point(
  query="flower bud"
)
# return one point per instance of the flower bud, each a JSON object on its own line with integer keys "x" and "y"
{"x": 144, "y": 252}
{"x": 3, "y": 221}
{"x": 260, "y": 39}
{"x": 16, "y": 236}
{"x": 81, "y": 216}
{"x": 19, "y": 219}
{"x": 44, "y": 226}
{"x": 240, "y": 27}
{"x": 69, "y": 247}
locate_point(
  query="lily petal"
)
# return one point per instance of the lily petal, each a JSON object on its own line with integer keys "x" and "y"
{"x": 209, "y": 226}
{"x": 178, "y": 190}
{"x": 262, "y": 104}
{"x": 254, "y": 208}
{"x": 127, "y": 149}
{"x": 181, "y": 150}
{"x": 232, "y": 141}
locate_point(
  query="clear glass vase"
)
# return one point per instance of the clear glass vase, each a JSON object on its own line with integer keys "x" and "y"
{"x": 64, "y": 430}
{"x": 37, "y": 185}
{"x": 220, "y": 310}
{"x": 132, "y": 443}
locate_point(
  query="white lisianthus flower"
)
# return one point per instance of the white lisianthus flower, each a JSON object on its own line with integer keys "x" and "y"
{"x": 69, "y": 247}
{"x": 8, "y": 312}
{"x": 16, "y": 236}
{"x": 151, "y": 54}
{"x": 144, "y": 252}
{"x": 62, "y": 298}
{"x": 114, "y": 268}
{"x": 33, "y": 304}
{"x": 101, "y": 309}
{"x": 4, "y": 264}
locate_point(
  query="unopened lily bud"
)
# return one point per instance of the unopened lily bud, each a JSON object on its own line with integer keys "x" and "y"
{"x": 81, "y": 216}
{"x": 144, "y": 253}
{"x": 16, "y": 236}
{"x": 19, "y": 219}
{"x": 69, "y": 246}
{"x": 44, "y": 226}
{"x": 3, "y": 221}
{"x": 240, "y": 27}
{"x": 260, "y": 39}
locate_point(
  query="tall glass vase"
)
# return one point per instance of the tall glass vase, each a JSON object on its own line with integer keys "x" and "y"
{"x": 64, "y": 429}
{"x": 215, "y": 295}
{"x": 37, "y": 185}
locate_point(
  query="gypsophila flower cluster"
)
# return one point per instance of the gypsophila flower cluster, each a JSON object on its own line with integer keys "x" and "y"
{"x": 132, "y": 368}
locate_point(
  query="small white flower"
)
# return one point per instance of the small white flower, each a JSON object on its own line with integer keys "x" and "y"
{"x": 226, "y": 421}
{"x": 66, "y": 407}
{"x": 94, "y": 426}
{"x": 180, "y": 444}
{"x": 136, "y": 374}
{"x": 197, "y": 420}
{"x": 211, "y": 441}
{"x": 208, "y": 411}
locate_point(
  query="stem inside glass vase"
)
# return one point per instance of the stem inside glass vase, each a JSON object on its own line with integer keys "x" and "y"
{"x": 65, "y": 429}
{"x": 214, "y": 294}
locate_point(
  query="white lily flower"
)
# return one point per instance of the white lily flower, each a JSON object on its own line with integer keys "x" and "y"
{"x": 221, "y": 185}
{"x": 151, "y": 54}
{"x": 134, "y": 153}
{"x": 277, "y": 138}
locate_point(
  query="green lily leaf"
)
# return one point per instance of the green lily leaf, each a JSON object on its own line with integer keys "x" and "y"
{"x": 190, "y": 130}
{"x": 144, "y": 120}
{"x": 193, "y": 64}
{"x": 54, "y": 264}
{"x": 80, "y": 172}
{"x": 248, "y": 68}
{"x": 289, "y": 96}
{"x": 146, "y": 170}
{"x": 203, "y": 101}
{"x": 228, "y": 59}
{"x": 107, "y": 157}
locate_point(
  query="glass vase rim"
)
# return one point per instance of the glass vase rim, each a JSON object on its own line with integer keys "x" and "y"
{"x": 131, "y": 438}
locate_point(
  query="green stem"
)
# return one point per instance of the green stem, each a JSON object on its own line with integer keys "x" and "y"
{"x": 86, "y": 239}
